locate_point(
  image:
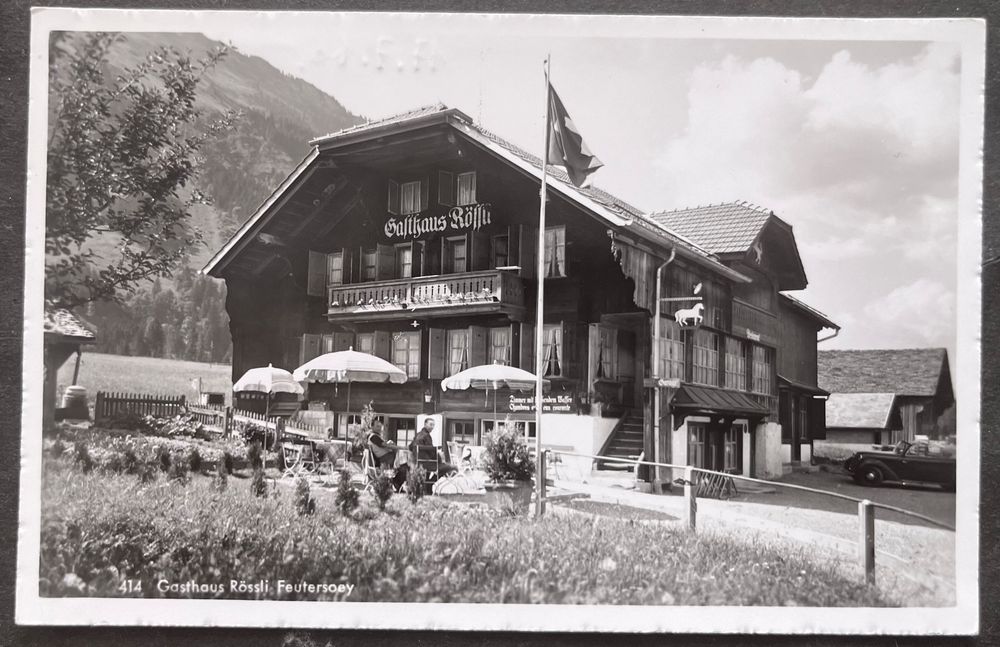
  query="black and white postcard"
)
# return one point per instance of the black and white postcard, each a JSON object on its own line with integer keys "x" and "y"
{"x": 502, "y": 322}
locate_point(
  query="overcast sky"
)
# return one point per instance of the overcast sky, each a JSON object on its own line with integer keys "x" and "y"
{"x": 853, "y": 143}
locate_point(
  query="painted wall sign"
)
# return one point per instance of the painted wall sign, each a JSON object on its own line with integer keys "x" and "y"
{"x": 550, "y": 403}
{"x": 471, "y": 217}
{"x": 755, "y": 336}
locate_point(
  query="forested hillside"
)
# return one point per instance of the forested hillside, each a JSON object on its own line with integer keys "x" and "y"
{"x": 184, "y": 317}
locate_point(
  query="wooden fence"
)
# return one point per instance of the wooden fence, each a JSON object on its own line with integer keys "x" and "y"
{"x": 216, "y": 418}
{"x": 110, "y": 405}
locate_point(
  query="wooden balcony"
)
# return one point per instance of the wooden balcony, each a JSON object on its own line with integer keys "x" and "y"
{"x": 754, "y": 323}
{"x": 489, "y": 291}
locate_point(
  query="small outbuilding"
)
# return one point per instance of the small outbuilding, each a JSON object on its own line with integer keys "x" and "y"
{"x": 65, "y": 334}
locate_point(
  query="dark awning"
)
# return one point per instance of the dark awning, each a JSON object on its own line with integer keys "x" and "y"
{"x": 784, "y": 382}
{"x": 713, "y": 401}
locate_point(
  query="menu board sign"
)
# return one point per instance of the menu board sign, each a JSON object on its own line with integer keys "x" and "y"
{"x": 561, "y": 403}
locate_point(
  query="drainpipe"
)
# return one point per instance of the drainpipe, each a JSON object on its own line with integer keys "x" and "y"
{"x": 657, "y": 481}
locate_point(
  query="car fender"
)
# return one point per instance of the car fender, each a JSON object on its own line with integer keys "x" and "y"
{"x": 887, "y": 472}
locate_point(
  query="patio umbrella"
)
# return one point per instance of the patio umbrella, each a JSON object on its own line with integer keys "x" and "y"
{"x": 492, "y": 376}
{"x": 267, "y": 380}
{"x": 348, "y": 366}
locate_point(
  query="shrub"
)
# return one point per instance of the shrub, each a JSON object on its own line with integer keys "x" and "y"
{"x": 115, "y": 463}
{"x": 164, "y": 458}
{"x": 346, "y": 497}
{"x": 506, "y": 457}
{"x": 128, "y": 420}
{"x": 130, "y": 460}
{"x": 147, "y": 473}
{"x": 82, "y": 458}
{"x": 382, "y": 489}
{"x": 57, "y": 449}
{"x": 194, "y": 460}
{"x": 304, "y": 502}
{"x": 179, "y": 472}
{"x": 415, "y": 480}
{"x": 220, "y": 481}
{"x": 255, "y": 456}
{"x": 258, "y": 484}
{"x": 227, "y": 462}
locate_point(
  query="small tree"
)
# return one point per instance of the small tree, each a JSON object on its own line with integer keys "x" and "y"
{"x": 507, "y": 458}
{"x": 382, "y": 489}
{"x": 346, "y": 497}
{"x": 123, "y": 153}
{"x": 360, "y": 439}
{"x": 304, "y": 502}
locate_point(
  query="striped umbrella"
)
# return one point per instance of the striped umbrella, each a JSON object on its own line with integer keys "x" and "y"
{"x": 348, "y": 366}
{"x": 492, "y": 376}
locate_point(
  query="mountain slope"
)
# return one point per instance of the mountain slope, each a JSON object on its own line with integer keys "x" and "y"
{"x": 184, "y": 318}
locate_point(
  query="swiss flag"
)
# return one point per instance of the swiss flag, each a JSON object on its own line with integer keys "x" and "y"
{"x": 566, "y": 145}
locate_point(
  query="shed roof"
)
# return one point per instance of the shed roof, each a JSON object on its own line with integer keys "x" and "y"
{"x": 907, "y": 371}
{"x": 859, "y": 410}
{"x": 61, "y": 323}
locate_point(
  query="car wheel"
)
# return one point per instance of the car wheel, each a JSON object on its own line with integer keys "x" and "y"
{"x": 870, "y": 475}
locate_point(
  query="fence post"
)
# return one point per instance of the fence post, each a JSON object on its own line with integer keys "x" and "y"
{"x": 691, "y": 509}
{"x": 227, "y": 425}
{"x": 866, "y": 539}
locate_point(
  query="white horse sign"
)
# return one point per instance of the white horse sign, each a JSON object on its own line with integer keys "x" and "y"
{"x": 692, "y": 315}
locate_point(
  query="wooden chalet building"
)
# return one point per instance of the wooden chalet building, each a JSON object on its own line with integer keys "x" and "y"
{"x": 911, "y": 386}
{"x": 413, "y": 238}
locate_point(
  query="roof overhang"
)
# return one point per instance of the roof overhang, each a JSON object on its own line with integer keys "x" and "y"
{"x": 784, "y": 382}
{"x": 809, "y": 311}
{"x": 714, "y": 402}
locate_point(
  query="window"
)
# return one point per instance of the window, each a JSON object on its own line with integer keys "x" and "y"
{"x": 466, "y": 188}
{"x": 409, "y": 197}
{"x": 454, "y": 255}
{"x": 706, "y": 358}
{"x": 369, "y": 264}
{"x": 525, "y": 429}
{"x": 335, "y": 268}
{"x": 366, "y": 343}
{"x": 499, "y": 349}
{"x": 349, "y": 424}
{"x": 404, "y": 261}
{"x": 762, "y": 370}
{"x": 730, "y": 453}
{"x": 671, "y": 350}
{"x": 501, "y": 251}
{"x": 462, "y": 432}
{"x": 552, "y": 350}
{"x": 406, "y": 353}
{"x": 606, "y": 356}
{"x": 458, "y": 350}
{"x": 555, "y": 252}
{"x": 696, "y": 444}
{"x": 736, "y": 364}
{"x": 402, "y": 430}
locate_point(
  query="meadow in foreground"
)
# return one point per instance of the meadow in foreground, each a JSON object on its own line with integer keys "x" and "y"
{"x": 103, "y": 530}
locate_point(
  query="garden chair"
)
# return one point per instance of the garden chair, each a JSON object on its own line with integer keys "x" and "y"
{"x": 298, "y": 460}
{"x": 370, "y": 470}
{"x": 426, "y": 457}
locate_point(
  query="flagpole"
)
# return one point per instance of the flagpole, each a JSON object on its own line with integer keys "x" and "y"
{"x": 540, "y": 302}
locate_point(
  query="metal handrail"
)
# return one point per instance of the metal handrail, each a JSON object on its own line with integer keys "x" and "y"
{"x": 750, "y": 479}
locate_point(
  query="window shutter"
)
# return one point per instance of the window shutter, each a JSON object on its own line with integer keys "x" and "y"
{"x": 316, "y": 282}
{"x": 446, "y": 189}
{"x": 393, "y": 199}
{"x": 309, "y": 348}
{"x": 425, "y": 193}
{"x": 514, "y": 245}
{"x": 383, "y": 344}
{"x": 526, "y": 349}
{"x": 479, "y": 255}
{"x": 478, "y": 339}
{"x": 817, "y": 419}
{"x": 343, "y": 341}
{"x": 593, "y": 354}
{"x": 385, "y": 263}
{"x": 571, "y": 336}
{"x": 527, "y": 247}
{"x": 436, "y": 354}
{"x": 418, "y": 258}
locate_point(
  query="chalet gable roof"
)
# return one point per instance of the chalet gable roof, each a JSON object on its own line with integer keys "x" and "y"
{"x": 809, "y": 311}
{"x": 613, "y": 210}
{"x": 904, "y": 372}
{"x": 735, "y": 231}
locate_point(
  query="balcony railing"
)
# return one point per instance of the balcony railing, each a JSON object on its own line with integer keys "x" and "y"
{"x": 754, "y": 323}
{"x": 485, "y": 291}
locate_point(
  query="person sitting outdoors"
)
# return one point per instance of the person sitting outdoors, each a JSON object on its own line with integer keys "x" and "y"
{"x": 385, "y": 455}
{"x": 425, "y": 439}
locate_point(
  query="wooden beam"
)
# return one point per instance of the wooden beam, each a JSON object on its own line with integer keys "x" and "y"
{"x": 341, "y": 183}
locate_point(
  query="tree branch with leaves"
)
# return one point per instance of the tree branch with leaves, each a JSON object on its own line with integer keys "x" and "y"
{"x": 123, "y": 155}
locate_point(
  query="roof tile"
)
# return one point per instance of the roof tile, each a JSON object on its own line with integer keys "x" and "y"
{"x": 859, "y": 410}
{"x": 908, "y": 371}
{"x": 730, "y": 227}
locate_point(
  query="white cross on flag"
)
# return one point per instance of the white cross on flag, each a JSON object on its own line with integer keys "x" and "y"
{"x": 566, "y": 145}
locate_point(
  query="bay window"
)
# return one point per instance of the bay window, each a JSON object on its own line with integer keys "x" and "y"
{"x": 762, "y": 363}
{"x": 736, "y": 364}
{"x": 706, "y": 358}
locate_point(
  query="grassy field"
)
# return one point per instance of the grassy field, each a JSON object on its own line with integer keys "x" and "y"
{"x": 100, "y": 372}
{"x": 102, "y": 530}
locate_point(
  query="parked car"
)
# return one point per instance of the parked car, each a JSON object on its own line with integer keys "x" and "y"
{"x": 902, "y": 464}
